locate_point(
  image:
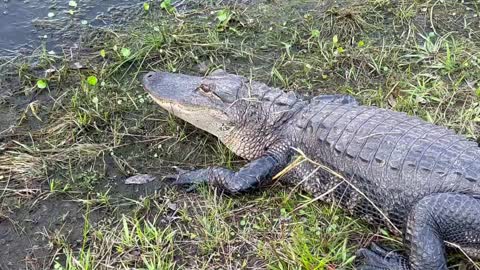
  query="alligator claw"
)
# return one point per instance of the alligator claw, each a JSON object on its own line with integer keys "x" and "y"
{"x": 179, "y": 172}
{"x": 189, "y": 178}
{"x": 378, "y": 258}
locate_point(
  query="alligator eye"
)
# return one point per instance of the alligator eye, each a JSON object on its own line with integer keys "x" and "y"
{"x": 205, "y": 88}
{"x": 208, "y": 90}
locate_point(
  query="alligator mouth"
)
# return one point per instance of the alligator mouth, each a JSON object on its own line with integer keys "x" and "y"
{"x": 147, "y": 90}
{"x": 175, "y": 107}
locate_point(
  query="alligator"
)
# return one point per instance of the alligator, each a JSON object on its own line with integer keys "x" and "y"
{"x": 417, "y": 179}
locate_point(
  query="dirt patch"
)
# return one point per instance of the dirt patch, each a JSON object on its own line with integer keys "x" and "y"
{"x": 8, "y": 119}
{"x": 24, "y": 233}
{"x": 31, "y": 232}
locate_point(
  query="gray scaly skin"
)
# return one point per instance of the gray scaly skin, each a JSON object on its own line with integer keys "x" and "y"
{"x": 424, "y": 178}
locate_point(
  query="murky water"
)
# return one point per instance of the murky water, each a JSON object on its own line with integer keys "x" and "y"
{"x": 30, "y": 23}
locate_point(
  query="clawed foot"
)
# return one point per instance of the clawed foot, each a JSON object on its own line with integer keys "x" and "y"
{"x": 190, "y": 178}
{"x": 378, "y": 258}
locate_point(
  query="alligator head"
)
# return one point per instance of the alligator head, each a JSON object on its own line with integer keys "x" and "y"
{"x": 245, "y": 115}
{"x": 201, "y": 101}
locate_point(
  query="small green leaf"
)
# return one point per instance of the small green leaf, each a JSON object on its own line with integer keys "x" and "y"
{"x": 42, "y": 84}
{"x": 243, "y": 222}
{"x": 384, "y": 232}
{"x": 223, "y": 15}
{"x": 72, "y": 3}
{"x": 71, "y": 12}
{"x": 167, "y": 5}
{"x": 335, "y": 39}
{"x": 103, "y": 53}
{"x": 478, "y": 92}
{"x": 146, "y": 6}
{"x": 340, "y": 49}
{"x": 125, "y": 52}
{"x": 315, "y": 33}
{"x": 361, "y": 43}
{"x": 92, "y": 80}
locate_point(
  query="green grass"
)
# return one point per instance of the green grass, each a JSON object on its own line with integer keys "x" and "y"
{"x": 81, "y": 138}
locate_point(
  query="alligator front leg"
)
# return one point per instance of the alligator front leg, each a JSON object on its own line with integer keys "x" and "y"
{"x": 255, "y": 173}
{"x": 436, "y": 219}
{"x": 378, "y": 258}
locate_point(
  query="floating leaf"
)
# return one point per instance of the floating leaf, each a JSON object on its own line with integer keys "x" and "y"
{"x": 50, "y": 14}
{"x": 125, "y": 52}
{"x": 42, "y": 84}
{"x": 103, "y": 53}
{"x": 92, "y": 80}
{"x": 72, "y": 3}
{"x": 71, "y": 12}
{"x": 146, "y": 6}
{"x": 478, "y": 92}
{"x": 361, "y": 43}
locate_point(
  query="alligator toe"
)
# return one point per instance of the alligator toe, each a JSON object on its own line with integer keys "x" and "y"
{"x": 378, "y": 258}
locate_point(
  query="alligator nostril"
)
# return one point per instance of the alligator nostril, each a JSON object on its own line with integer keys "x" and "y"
{"x": 149, "y": 75}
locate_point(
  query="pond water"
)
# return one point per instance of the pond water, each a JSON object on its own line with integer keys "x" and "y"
{"x": 27, "y": 24}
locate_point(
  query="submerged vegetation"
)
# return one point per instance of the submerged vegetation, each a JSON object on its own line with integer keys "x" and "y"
{"x": 78, "y": 123}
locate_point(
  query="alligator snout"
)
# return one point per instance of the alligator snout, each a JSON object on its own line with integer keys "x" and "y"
{"x": 149, "y": 80}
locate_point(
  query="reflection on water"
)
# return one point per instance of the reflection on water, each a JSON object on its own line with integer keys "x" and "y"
{"x": 29, "y": 23}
